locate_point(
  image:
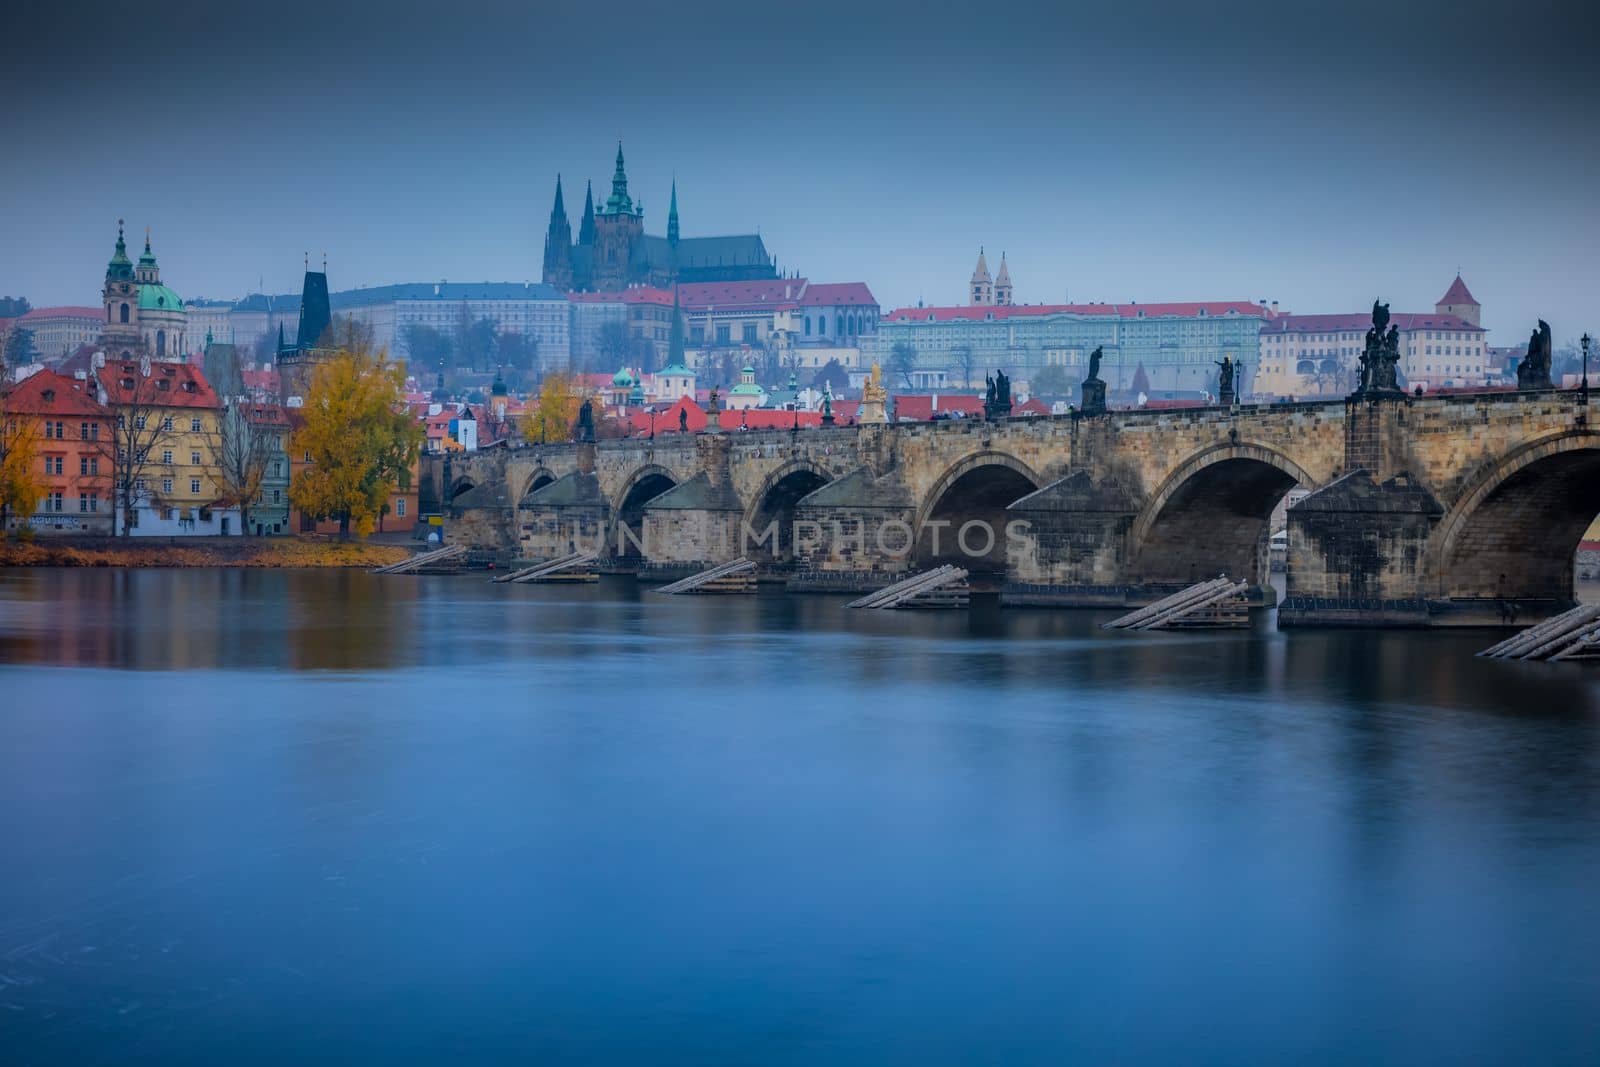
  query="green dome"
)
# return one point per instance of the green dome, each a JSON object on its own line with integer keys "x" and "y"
{"x": 676, "y": 369}
{"x": 153, "y": 297}
{"x": 622, "y": 377}
{"x": 747, "y": 389}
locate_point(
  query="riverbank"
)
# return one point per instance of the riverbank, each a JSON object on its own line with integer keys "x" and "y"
{"x": 202, "y": 552}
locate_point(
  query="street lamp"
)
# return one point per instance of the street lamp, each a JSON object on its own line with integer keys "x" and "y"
{"x": 652, "y": 424}
{"x": 1584, "y": 387}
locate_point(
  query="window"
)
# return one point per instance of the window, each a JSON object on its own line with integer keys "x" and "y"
{"x": 124, "y": 312}
{"x": 194, "y": 486}
{"x": 88, "y": 502}
{"x": 400, "y": 506}
{"x": 138, "y": 485}
{"x": 166, "y": 457}
{"x": 194, "y": 425}
{"x": 277, "y": 496}
{"x": 166, "y": 485}
{"x": 749, "y": 333}
{"x": 722, "y": 334}
{"x": 88, "y": 464}
{"x": 55, "y": 502}
{"x": 166, "y": 424}
{"x": 194, "y": 457}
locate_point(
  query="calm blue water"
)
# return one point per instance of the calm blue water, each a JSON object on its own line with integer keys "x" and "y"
{"x": 268, "y": 818}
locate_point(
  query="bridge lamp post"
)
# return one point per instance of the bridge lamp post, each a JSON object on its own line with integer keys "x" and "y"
{"x": 652, "y": 424}
{"x": 1583, "y": 388}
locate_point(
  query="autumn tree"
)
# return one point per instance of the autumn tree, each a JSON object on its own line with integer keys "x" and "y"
{"x": 360, "y": 438}
{"x": 21, "y": 486}
{"x": 556, "y": 411}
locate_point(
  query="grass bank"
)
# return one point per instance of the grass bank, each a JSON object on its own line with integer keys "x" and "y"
{"x": 201, "y": 552}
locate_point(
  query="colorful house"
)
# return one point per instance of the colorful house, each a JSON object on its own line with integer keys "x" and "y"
{"x": 72, "y": 434}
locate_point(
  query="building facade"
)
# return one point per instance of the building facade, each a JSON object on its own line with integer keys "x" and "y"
{"x": 1309, "y": 356}
{"x": 612, "y": 252}
{"x": 142, "y": 316}
{"x": 72, "y": 431}
{"x": 60, "y": 331}
{"x": 1178, "y": 345}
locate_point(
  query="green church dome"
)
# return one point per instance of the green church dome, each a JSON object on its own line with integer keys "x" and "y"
{"x": 154, "y": 297}
{"x": 622, "y": 377}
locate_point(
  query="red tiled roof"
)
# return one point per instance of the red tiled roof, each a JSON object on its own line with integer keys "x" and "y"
{"x": 267, "y": 414}
{"x": 838, "y": 294}
{"x": 1458, "y": 293}
{"x": 188, "y": 388}
{"x": 261, "y": 380}
{"x": 1124, "y": 311}
{"x": 71, "y": 312}
{"x": 770, "y": 292}
{"x": 1032, "y": 406}
{"x": 69, "y": 396}
{"x": 1359, "y": 321}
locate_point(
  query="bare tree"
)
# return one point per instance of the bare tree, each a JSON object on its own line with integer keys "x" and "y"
{"x": 144, "y": 429}
{"x": 243, "y": 448}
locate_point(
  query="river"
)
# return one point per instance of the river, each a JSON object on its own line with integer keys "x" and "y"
{"x": 258, "y": 817}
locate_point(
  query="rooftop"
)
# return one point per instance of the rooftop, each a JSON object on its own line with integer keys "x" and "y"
{"x": 1195, "y": 309}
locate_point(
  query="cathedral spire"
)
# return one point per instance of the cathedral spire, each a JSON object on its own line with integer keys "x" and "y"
{"x": 982, "y": 285}
{"x": 672, "y": 215}
{"x": 619, "y": 203}
{"x": 675, "y": 343}
{"x": 586, "y": 227}
{"x": 558, "y": 213}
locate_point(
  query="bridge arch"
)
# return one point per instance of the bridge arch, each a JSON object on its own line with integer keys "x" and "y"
{"x": 535, "y": 481}
{"x": 627, "y": 510}
{"x": 775, "y": 502}
{"x": 976, "y": 488}
{"x": 1210, "y": 515}
{"x": 1513, "y": 532}
{"x": 459, "y": 486}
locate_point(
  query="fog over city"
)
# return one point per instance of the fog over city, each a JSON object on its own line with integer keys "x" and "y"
{"x": 1315, "y": 156}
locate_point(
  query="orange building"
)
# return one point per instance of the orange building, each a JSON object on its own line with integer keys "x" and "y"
{"x": 73, "y": 437}
{"x": 399, "y": 514}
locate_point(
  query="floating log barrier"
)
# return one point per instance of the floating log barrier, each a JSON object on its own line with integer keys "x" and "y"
{"x": 1573, "y": 634}
{"x": 573, "y": 567}
{"x": 738, "y": 576}
{"x": 942, "y": 587}
{"x": 433, "y": 558}
{"x": 1219, "y": 603}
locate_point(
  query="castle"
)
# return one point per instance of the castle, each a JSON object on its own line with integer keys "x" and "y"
{"x": 613, "y": 252}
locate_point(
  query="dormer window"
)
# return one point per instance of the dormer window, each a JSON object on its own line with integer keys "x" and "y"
{"x": 163, "y": 384}
{"x": 126, "y": 383}
{"x": 49, "y": 396}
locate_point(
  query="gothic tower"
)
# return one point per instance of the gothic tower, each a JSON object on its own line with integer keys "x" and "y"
{"x": 672, "y": 216}
{"x": 121, "y": 296}
{"x": 586, "y": 226}
{"x": 1002, "y": 284}
{"x": 982, "y": 285}
{"x": 619, "y": 229}
{"x": 558, "y": 245}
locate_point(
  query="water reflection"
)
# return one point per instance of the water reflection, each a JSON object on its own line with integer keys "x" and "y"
{"x": 436, "y": 820}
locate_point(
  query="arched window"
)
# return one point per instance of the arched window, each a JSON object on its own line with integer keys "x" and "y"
{"x": 822, "y": 325}
{"x": 124, "y": 312}
{"x": 838, "y": 325}
{"x": 108, "y": 312}
{"x": 161, "y": 343}
{"x": 808, "y": 324}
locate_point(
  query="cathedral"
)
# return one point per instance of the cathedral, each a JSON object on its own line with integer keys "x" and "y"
{"x": 613, "y": 252}
{"x": 141, "y": 313}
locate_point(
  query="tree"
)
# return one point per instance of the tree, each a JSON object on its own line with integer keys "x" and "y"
{"x": 19, "y": 347}
{"x": 475, "y": 340}
{"x": 519, "y": 351}
{"x": 240, "y": 455}
{"x": 428, "y": 349}
{"x": 21, "y": 485}
{"x": 1051, "y": 381}
{"x": 902, "y": 361}
{"x": 360, "y": 439}
{"x": 144, "y": 425}
{"x": 14, "y": 307}
{"x": 962, "y": 356}
{"x": 613, "y": 345}
{"x": 832, "y": 375}
{"x": 556, "y": 410}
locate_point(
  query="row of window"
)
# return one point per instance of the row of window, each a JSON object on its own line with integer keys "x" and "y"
{"x": 87, "y": 465}
{"x": 55, "y": 503}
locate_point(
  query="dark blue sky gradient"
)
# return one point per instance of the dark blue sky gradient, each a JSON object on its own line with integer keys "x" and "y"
{"x": 1118, "y": 151}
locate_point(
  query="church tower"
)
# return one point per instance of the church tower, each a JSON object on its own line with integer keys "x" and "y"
{"x": 982, "y": 285}
{"x": 1002, "y": 284}
{"x": 619, "y": 229}
{"x": 558, "y": 245}
{"x": 586, "y": 226}
{"x": 1459, "y": 301}
{"x": 672, "y": 216}
{"x": 121, "y": 297}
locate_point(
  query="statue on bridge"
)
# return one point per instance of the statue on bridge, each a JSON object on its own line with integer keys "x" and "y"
{"x": 1094, "y": 390}
{"x": 1380, "y": 359}
{"x": 586, "y": 421}
{"x": 683, "y": 420}
{"x": 997, "y": 401}
{"x": 1225, "y": 391}
{"x": 1534, "y": 370}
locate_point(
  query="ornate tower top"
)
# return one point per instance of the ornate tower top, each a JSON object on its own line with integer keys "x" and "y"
{"x": 1002, "y": 284}
{"x": 619, "y": 203}
{"x": 586, "y": 227}
{"x": 121, "y": 267}
{"x": 672, "y": 215}
{"x": 558, "y": 213}
{"x": 982, "y": 286}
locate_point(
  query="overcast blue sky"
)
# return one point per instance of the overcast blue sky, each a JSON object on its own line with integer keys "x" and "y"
{"x": 1122, "y": 151}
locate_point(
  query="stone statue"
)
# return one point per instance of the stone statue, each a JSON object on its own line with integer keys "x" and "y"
{"x": 1534, "y": 370}
{"x": 586, "y": 421}
{"x": 1094, "y": 390}
{"x": 988, "y": 391}
{"x": 873, "y": 398}
{"x": 827, "y": 404}
{"x": 1380, "y": 316}
{"x": 1225, "y": 393}
{"x": 1380, "y": 358}
{"x": 683, "y": 420}
{"x": 1002, "y": 389}
{"x": 997, "y": 400}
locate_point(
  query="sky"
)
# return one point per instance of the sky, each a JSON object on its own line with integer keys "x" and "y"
{"x": 1320, "y": 156}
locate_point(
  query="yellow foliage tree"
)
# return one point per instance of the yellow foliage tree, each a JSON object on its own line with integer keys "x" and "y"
{"x": 555, "y": 414}
{"x": 360, "y": 438}
{"x": 21, "y": 485}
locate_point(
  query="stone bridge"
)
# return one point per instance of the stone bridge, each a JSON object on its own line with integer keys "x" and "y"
{"x": 1461, "y": 509}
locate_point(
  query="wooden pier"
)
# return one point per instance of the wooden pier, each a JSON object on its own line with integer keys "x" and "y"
{"x": 1573, "y": 634}
{"x": 739, "y": 576}
{"x": 573, "y": 567}
{"x": 448, "y": 558}
{"x": 942, "y": 587}
{"x": 1217, "y": 604}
